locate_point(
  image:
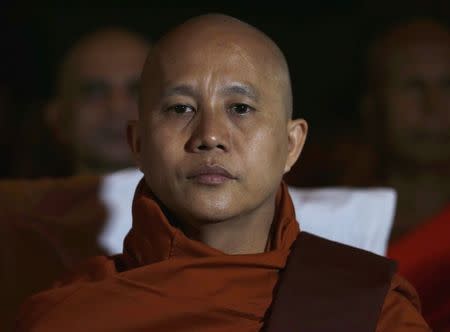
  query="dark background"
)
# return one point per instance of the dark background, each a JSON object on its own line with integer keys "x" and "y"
{"x": 324, "y": 42}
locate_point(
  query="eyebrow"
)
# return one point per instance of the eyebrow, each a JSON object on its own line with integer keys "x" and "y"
{"x": 182, "y": 89}
{"x": 89, "y": 84}
{"x": 233, "y": 89}
{"x": 240, "y": 89}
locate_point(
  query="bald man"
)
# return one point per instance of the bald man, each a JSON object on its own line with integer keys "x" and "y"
{"x": 213, "y": 223}
{"x": 96, "y": 95}
{"x": 409, "y": 100}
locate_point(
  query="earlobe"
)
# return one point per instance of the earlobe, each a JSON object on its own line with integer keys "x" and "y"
{"x": 297, "y": 132}
{"x": 134, "y": 141}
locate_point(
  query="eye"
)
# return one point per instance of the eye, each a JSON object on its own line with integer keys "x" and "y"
{"x": 94, "y": 90}
{"x": 241, "y": 109}
{"x": 180, "y": 109}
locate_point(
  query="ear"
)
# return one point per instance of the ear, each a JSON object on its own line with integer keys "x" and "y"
{"x": 55, "y": 120}
{"x": 134, "y": 141}
{"x": 297, "y": 131}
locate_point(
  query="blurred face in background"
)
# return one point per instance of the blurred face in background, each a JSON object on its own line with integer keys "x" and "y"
{"x": 414, "y": 92}
{"x": 98, "y": 95}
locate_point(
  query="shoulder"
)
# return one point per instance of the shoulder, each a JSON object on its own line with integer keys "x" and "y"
{"x": 38, "y": 306}
{"x": 401, "y": 309}
{"x": 92, "y": 269}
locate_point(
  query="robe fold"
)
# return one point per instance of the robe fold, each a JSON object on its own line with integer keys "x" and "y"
{"x": 165, "y": 281}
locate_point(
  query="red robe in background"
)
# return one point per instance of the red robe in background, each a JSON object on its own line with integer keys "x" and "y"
{"x": 424, "y": 260}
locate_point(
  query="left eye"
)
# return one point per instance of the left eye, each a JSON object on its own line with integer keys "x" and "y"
{"x": 241, "y": 108}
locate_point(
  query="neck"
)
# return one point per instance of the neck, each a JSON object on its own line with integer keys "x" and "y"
{"x": 420, "y": 196}
{"x": 246, "y": 234}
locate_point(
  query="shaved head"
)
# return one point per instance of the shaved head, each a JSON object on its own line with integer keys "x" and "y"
{"x": 96, "y": 95}
{"x": 95, "y": 48}
{"x": 417, "y": 38}
{"x": 408, "y": 93}
{"x": 223, "y": 34}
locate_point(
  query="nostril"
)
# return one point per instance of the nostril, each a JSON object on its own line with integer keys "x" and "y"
{"x": 206, "y": 147}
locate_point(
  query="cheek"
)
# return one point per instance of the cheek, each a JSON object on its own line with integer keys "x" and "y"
{"x": 160, "y": 150}
{"x": 403, "y": 112}
{"x": 266, "y": 150}
{"x": 88, "y": 116}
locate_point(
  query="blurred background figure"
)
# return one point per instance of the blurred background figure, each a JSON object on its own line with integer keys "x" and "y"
{"x": 407, "y": 113}
{"x": 49, "y": 225}
{"x": 94, "y": 96}
{"x": 406, "y": 109}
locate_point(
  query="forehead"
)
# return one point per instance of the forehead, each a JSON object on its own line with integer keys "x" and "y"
{"x": 227, "y": 59}
{"x": 421, "y": 48}
{"x": 109, "y": 59}
{"x": 215, "y": 61}
{"x": 422, "y": 57}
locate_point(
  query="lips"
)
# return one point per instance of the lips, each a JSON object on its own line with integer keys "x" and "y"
{"x": 210, "y": 175}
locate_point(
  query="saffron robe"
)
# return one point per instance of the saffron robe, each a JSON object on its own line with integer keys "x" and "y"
{"x": 165, "y": 281}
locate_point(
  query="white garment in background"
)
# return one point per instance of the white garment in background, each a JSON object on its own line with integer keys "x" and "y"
{"x": 358, "y": 217}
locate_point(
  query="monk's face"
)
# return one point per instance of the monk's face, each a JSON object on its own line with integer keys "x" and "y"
{"x": 416, "y": 97}
{"x": 214, "y": 135}
{"x": 101, "y": 95}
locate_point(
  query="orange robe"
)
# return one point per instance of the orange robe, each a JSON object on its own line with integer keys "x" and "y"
{"x": 424, "y": 259}
{"x": 165, "y": 281}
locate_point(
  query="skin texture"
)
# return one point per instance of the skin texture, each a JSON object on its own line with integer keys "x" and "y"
{"x": 216, "y": 99}
{"x": 97, "y": 95}
{"x": 408, "y": 113}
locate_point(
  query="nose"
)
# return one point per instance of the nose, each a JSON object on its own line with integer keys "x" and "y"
{"x": 121, "y": 103}
{"x": 209, "y": 133}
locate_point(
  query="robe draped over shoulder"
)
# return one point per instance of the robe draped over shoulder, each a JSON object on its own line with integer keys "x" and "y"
{"x": 165, "y": 281}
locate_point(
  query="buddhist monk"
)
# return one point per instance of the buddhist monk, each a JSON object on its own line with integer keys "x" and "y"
{"x": 408, "y": 110}
{"x": 213, "y": 223}
{"x": 96, "y": 94}
{"x": 67, "y": 220}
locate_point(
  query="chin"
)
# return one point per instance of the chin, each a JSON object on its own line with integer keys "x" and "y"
{"x": 211, "y": 210}
{"x": 212, "y": 217}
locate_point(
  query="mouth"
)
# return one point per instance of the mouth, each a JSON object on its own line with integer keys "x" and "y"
{"x": 210, "y": 175}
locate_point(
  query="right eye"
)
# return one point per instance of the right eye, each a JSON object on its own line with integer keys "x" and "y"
{"x": 94, "y": 91}
{"x": 180, "y": 109}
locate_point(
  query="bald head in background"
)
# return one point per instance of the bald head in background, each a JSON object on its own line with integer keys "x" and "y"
{"x": 216, "y": 98}
{"x": 96, "y": 94}
{"x": 407, "y": 109}
{"x": 408, "y": 113}
{"x": 409, "y": 71}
